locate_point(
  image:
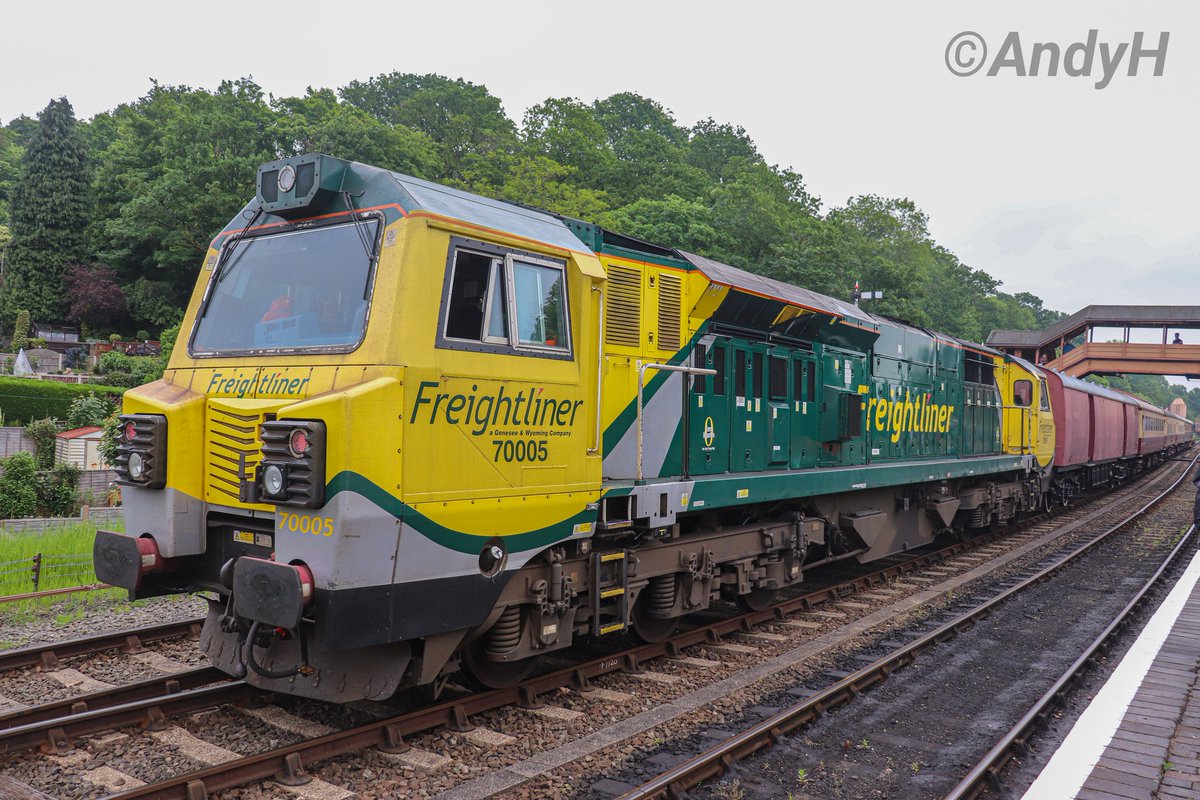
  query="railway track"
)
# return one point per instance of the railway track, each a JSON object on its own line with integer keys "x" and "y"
{"x": 721, "y": 758}
{"x": 46, "y": 657}
{"x": 149, "y": 704}
{"x": 986, "y": 773}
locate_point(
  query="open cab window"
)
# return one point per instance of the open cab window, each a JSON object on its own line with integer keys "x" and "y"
{"x": 501, "y": 301}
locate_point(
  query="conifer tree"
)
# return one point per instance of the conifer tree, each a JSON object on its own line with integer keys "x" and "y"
{"x": 50, "y": 211}
{"x": 20, "y": 339}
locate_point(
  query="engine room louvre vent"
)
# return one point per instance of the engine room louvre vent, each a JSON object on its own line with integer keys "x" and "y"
{"x": 670, "y": 304}
{"x": 623, "y": 313}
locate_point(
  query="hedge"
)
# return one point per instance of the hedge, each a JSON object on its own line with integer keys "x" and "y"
{"x": 25, "y": 399}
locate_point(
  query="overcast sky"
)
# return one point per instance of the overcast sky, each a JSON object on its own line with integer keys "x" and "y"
{"x": 1076, "y": 194}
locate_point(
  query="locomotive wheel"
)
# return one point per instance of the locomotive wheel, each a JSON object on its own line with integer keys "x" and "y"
{"x": 485, "y": 673}
{"x": 757, "y": 600}
{"x": 648, "y": 629}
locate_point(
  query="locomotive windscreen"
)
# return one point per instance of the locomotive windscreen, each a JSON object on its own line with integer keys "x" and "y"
{"x": 292, "y": 291}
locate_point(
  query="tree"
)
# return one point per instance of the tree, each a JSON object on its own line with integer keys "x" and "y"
{"x": 671, "y": 221}
{"x": 93, "y": 295}
{"x": 464, "y": 120}
{"x": 180, "y": 166}
{"x": 88, "y": 410}
{"x": 544, "y": 183}
{"x": 20, "y": 340}
{"x": 318, "y": 123}
{"x": 567, "y": 132}
{"x": 51, "y": 209}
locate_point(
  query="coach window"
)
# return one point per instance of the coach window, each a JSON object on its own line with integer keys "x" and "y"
{"x": 1023, "y": 393}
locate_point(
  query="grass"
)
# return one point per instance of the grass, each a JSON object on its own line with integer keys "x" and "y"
{"x": 67, "y": 561}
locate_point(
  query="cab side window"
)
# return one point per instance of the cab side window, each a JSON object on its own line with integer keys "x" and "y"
{"x": 1044, "y": 404}
{"x": 1023, "y": 393}
{"x": 496, "y": 300}
{"x": 478, "y": 308}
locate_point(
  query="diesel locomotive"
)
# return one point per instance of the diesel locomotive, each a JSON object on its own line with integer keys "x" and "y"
{"x": 409, "y": 432}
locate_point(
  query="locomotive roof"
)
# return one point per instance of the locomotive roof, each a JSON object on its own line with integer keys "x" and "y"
{"x": 422, "y": 195}
{"x": 736, "y": 278}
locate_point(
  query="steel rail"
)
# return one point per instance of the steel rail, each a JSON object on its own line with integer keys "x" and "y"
{"x": 90, "y": 587}
{"x": 55, "y": 735}
{"x": 116, "y": 696}
{"x": 717, "y": 759}
{"x": 46, "y": 656}
{"x": 986, "y": 773}
{"x": 388, "y": 734}
{"x": 287, "y": 763}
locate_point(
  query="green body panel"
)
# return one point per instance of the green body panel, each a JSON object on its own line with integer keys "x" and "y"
{"x": 725, "y": 490}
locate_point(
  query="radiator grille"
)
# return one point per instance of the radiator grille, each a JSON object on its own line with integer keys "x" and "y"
{"x": 230, "y": 435}
{"x": 670, "y": 311}
{"x": 622, "y": 316}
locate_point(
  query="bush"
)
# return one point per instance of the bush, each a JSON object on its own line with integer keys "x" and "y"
{"x": 58, "y": 491}
{"x": 76, "y": 358}
{"x": 89, "y": 410}
{"x": 18, "y": 486}
{"x": 119, "y": 369}
{"x": 109, "y": 438}
{"x": 26, "y": 491}
{"x": 43, "y": 432}
{"x": 23, "y": 399}
{"x": 143, "y": 335}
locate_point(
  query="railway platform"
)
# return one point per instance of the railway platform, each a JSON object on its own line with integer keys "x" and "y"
{"x": 1139, "y": 738}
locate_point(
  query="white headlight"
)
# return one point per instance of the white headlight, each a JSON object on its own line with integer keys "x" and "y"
{"x": 287, "y": 178}
{"x": 273, "y": 480}
{"x": 137, "y": 465}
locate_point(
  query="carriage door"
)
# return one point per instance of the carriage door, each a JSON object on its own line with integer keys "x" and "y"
{"x": 708, "y": 414}
{"x": 747, "y": 438}
{"x": 778, "y": 410}
{"x": 805, "y": 444}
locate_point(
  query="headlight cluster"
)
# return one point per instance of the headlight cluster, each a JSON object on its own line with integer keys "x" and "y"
{"x": 292, "y": 470}
{"x": 142, "y": 451}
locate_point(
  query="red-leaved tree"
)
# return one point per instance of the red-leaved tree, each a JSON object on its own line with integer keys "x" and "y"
{"x": 93, "y": 295}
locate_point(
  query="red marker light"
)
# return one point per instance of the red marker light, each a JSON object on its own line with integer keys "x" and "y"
{"x": 298, "y": 442}
{"x": 130, "y": 431}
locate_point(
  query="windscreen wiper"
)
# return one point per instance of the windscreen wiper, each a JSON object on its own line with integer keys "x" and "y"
{"x": 224, "y": 265}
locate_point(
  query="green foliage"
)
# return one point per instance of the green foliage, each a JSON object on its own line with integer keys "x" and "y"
{"x": 175, "y": 166}
{"x": 179, "y": 165}
{"x": 110, "y": 437}
{"x": 51, "y": 209}
{"x": 18, "y": 486}
{"x": 464, "y": 121}
{"x": 58, "y": 490}
{"x": 119, "y": 369}
{"x": 20, "y": 339}
{"x": 22, "y": 399}
{"x": 318, "y": 123}
{"x": 27, "y": 491}
{"x": 88, "y": 410}
{"x": 42, "y": 432}
{"x": 166, "y": 340}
